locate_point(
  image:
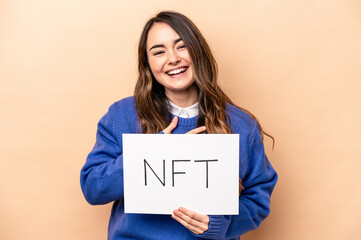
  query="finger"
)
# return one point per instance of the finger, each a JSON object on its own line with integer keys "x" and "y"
{"x": 187, "y": 219}
{"x": 194, "y": 215}
{"x": 197, "y": 130}
{"x": 171, "y": 126}
{"x": 192, "y": 228}
{"x": 193, "y": 223}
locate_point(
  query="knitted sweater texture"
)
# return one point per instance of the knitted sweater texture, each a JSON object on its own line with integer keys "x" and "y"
{"x": 102, "y": 179}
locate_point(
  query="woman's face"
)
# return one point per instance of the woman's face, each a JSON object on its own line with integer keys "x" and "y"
{"x": 169, "y": 60}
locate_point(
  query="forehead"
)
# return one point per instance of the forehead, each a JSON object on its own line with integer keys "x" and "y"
{"x": 161, "y": 33}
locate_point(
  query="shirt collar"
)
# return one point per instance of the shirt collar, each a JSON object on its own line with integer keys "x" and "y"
{"x": 187, "y": 112}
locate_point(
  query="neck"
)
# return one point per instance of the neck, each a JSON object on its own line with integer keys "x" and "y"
{"x": 184, "y": 98}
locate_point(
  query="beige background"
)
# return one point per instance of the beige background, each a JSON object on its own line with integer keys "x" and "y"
{"x": 295, "y": 64}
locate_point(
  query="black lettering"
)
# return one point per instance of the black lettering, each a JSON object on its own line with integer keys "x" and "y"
{"x": 173, "y": 173}
{"x": 206, "y": 161}
{"x": 145, "y": 172}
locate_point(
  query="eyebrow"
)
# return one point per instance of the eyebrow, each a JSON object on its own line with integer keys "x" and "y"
{"x": 162, "y": 45}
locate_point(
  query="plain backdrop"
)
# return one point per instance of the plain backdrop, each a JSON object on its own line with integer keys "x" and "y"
{"x": 296, "y": 65}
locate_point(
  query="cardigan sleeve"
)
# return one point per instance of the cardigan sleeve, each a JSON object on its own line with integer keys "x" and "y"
{"x": 259, "y": 179}
{"x": 101, "y": 177}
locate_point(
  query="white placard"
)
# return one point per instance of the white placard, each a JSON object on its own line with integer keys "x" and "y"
{"x": 165, "y": 171}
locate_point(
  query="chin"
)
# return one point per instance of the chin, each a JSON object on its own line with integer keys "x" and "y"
{"x": 181, "y": 88}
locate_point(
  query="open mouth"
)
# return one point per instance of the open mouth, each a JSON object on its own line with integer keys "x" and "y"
{"x": 177, "y": 71}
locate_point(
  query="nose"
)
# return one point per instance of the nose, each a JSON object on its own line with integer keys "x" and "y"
{"x": 173, "y": 57}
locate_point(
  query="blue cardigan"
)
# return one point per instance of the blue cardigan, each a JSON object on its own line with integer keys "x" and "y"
{"x": 102, "y": 179}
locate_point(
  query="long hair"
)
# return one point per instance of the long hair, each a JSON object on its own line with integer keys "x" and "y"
{"x": 150, "y": 98}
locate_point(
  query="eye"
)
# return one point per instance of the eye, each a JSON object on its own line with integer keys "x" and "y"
{"x": 157, "y": 53}
{"x": 181, "y": 46}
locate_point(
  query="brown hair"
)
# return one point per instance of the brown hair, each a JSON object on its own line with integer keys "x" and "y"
{"x": 150, "y": 99}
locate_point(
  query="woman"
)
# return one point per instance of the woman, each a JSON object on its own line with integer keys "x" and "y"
{"x": 177, "y": 92}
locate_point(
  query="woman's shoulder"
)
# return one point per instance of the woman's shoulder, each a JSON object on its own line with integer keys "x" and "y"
{"x": 123, "y": 115}
{"x": 125, "y": 105}
{"x": 241, "y": 121}
{"x": 123, "y": 109}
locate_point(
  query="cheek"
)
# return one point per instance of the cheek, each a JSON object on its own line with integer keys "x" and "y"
{"x": 155, "y": 66}
{"x": 186, "y": 56}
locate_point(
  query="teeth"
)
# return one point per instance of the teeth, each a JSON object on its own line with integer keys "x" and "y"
{"x": 177, "y": 71}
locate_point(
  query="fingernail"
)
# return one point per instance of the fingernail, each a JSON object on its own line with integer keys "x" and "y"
{"x": 204, "y": 128}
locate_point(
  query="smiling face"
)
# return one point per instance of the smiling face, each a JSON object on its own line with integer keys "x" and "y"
{"x": 170, "y": 62}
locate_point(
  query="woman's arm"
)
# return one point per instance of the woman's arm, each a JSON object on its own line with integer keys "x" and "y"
{"x": 102, "y": 175}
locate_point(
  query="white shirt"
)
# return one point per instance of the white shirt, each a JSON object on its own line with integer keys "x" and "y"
{"x": 187, "y": 112}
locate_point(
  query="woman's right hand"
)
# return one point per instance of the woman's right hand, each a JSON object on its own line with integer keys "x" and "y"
{"x": 173, "y": 124}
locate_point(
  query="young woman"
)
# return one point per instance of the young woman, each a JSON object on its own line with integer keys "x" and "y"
{"x": 177, "y": 92}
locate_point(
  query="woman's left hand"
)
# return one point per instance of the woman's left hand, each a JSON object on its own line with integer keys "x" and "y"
{"x": 197, "y": 223}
